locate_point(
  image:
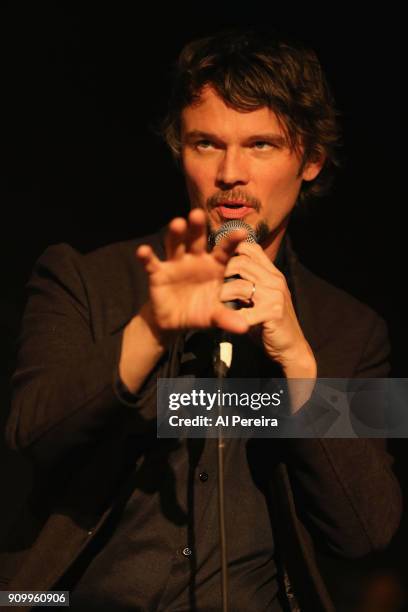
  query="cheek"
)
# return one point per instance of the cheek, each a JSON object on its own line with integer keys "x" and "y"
{"x": 282, "y": 182}
{"x": 197, "y": 175}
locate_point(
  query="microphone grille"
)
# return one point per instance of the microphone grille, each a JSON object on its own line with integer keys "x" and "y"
{"x": 230, "y": 226}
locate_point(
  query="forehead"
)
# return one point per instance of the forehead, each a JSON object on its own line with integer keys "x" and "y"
{"x": 211, "y": 113}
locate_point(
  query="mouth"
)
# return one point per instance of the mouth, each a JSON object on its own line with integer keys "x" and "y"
{"x": 233, "y": 210}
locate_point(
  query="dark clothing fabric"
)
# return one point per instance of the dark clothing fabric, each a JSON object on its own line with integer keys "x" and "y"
{"x": 339, "y": 493}
{"x": 170, "y": 522}
{"x": 160, "y": 527}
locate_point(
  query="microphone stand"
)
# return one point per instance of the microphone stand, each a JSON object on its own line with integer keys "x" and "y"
{"x": 222, "y": 363}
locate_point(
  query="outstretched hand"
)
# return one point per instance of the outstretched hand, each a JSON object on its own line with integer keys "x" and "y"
{"x": 184, "y": 290}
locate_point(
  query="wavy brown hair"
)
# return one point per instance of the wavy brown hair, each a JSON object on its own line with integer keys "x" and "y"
{"x": 250, "y": 69}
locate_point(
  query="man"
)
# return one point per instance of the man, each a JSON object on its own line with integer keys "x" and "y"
{"x": 126, "y": 521}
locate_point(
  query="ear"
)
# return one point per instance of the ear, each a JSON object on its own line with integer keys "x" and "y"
{"x": 313, "y": 167}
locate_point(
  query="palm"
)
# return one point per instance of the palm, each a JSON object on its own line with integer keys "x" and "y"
{"x": 185, "y": 289}
{"x": 185, "y": 293}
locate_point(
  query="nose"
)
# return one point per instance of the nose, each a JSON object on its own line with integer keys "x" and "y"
{"x": 232, "y": 169}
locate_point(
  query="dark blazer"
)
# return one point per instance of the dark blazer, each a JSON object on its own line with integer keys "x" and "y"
{"x": 69, "y": 420}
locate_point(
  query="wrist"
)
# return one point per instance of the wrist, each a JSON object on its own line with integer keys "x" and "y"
{"x": 142, "y": 348}
{"x": 300, "y": 369}
{"x": 300, "y": 364}
{"x": 160, "y": 339}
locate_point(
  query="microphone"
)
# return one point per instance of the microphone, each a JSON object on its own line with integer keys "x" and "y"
{"x": 230, "y": 226}
{"x": 223, "y": 354}
{"x": 216, "y": 237}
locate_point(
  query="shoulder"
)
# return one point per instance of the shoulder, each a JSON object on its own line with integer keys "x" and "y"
{"x": 108, "y": 261}
{"x": 339, "y": 327}
{"x": 108, "y": 282}
{"x": 108, "y": 268}
{"x": 330, "y": 302}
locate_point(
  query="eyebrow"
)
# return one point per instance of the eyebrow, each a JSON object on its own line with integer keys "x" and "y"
{"x": 277, "y": 139}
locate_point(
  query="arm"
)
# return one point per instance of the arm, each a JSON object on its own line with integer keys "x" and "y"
{"x": 64, "y": 397}
{"x": 345, "y": 490}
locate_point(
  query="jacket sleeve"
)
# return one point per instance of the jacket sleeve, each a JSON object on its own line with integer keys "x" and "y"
{"x": 64, "y": 397}
{"x": 345, "y": 491}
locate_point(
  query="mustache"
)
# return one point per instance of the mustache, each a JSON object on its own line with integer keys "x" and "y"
{"x": 233, "y": 196}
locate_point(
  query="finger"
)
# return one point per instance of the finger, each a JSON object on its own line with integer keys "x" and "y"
{"x": 245, "y": 268}
{"x": 197, "y": 232}
{"x": 268, "y": 307}
{"x": 252, "y": 316}
{"x": 175, "y": 238}
{"x": 229, "y": 320}
{"x": 237, "y": 290}
{"x": 148, "y": 258}
{"x": 256, "y": 253}
{"x": 227, "y": 246}
{"x": 256, "y": 272}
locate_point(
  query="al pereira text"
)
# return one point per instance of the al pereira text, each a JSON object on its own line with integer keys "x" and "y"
{"x": 222, "y": 421}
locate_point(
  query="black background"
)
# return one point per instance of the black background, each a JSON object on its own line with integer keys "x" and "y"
{"x": 81, "y": 87}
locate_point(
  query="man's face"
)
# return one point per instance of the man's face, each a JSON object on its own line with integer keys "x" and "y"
{"x": 238, "y": 165}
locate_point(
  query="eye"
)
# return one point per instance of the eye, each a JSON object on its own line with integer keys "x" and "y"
{"x": 261, "y": 145}
{"x": 203, "y": 144}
